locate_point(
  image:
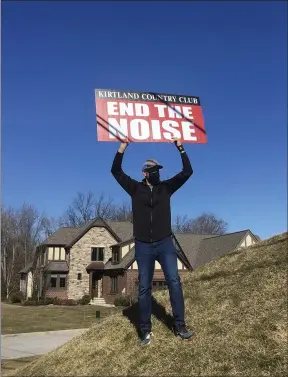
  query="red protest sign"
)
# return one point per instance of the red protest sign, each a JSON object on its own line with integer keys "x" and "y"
{"x": 148, "y": 117}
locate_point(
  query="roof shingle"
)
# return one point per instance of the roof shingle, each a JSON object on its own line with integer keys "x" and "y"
{"x": 57, "y": 267}
{"x": 214, "y": 247}
{"x": 190, "y": 243}
{"x": 67, "y": 235}
{"x": 62, "y": 236}
{"x": 123, "y": 263}
{"x": 124, "y": 230}
{"x": 26, "y": 269}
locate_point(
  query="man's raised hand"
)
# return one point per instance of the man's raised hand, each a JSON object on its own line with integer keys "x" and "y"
{"x": 176, "y": 141}
{"x": 124, "y": 145}
{"x": 178, "y": 144}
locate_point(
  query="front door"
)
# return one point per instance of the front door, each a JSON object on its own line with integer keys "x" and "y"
{"x": 94, "y": 283}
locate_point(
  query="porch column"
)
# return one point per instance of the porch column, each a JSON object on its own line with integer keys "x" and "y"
{"x": 100, "y": 283}
{"x": 90, "y": 283}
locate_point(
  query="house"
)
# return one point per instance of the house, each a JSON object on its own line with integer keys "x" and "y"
{"x": 26, "y": 280}
{"x": 98, "y": 259}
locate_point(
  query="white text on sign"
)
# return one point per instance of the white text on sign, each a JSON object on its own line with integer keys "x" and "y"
{"x": 143, "y": 129}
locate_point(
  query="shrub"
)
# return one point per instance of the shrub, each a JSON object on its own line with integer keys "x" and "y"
{"x": 34, "y": 295}
{"x": 84, "y": 300}
{"x": 48, "y": 300}
{"x": 69, "y": 302}
{"x": 56, "y": 301}
{"x": 65, "y": 302}
{"x": 124, "y": 300}
{"x": 16, "y": 297}
{"x": 30, "y": 303}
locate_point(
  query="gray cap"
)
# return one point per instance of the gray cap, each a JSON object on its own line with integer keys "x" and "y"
{"x": 148, "y": 164}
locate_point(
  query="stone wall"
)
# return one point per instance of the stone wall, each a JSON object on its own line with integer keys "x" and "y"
{"x": 59, "y": 293}
{"x": 80, "y": 258}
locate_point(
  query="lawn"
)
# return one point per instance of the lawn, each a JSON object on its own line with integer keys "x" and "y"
{"x": 23, "y": 319}
{"x": 237, "y": 304}
{"x": 10, "y": 365}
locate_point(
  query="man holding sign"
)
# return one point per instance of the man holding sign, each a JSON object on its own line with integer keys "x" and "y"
{"x": 153, "y": 234}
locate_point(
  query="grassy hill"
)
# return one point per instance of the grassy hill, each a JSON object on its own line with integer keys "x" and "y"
{"x": 237, "y": 305}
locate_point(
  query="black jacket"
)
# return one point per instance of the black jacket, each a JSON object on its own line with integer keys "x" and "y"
{"x": 151, "y": 208}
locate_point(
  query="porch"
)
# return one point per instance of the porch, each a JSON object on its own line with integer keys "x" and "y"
{"x": 96, "y": 290}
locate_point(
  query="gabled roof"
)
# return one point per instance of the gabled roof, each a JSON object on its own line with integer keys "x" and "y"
{"x": 88, "y": 226}
{"x": 123, "y": 243}
{"x": 190, "y": 243}
{"x": 26, "y": 269}
{"x": 68, "y": 236}
{"x": 216, "y": 246}
{"x": 124, "y": 263}
{"x": 123, "y": 229}
{"x": 62, "y": 236}
{"x": 129, "y": 258}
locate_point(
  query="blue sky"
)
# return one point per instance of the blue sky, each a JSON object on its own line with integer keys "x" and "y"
{"x": 230, "y": 54}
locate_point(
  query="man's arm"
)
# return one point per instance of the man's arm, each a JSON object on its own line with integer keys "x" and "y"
{"x": 127, "y": 183}
{"x": 179, "y": 179}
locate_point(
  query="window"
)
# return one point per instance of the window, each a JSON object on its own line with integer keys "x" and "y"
{"x": 50, "y": 253}
{"x": 113, "y": 287}
{"x": 56, "y": 253}
{"x": 62, "y": 282}
{"x": 58, "y": 281}
{"x": 159, "y": 284}
{"x": 116, "y": 256}
{"x": 53, "y": 281}
{"x": 97, "y": 254}
{"x": 79, "y": 276}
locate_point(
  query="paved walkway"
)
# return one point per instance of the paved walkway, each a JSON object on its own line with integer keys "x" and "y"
{"x": 32, "y": 344}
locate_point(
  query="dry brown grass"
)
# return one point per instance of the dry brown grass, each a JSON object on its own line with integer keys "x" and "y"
{"x": 237, "y": 305}
{"x": 22, "y": 319}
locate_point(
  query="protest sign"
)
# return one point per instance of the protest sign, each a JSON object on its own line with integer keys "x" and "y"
{"x": 148, "y": 117}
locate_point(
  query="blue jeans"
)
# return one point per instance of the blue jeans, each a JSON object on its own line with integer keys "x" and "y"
{"x": 165, "y": 253}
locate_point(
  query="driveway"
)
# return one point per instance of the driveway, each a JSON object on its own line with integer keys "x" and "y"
{"x": 32, "y": 344}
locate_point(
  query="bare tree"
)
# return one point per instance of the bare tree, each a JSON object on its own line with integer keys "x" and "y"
{"x": 182, "y": 224}
{"x": 9, "y": 243}
{"x": 85, "y": 207}
{"x": 50, "y": 226}
{"x": 80, "y": 211}
{"x": 122, "y": 212}
{"x": 30, "y": 226}
{"x": 21, "y": 231}
{"x": 208, "y": 223}
{"x": 104, "y": 208}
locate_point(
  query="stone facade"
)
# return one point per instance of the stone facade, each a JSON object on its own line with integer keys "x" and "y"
{"x": 80, "y": 258}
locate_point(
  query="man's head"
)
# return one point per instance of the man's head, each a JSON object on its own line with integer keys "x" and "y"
{"x": 151, "y": 171}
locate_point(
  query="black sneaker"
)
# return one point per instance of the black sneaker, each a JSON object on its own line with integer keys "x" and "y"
{"x": 183, "y": 332}
{"x": 146, "y": 338}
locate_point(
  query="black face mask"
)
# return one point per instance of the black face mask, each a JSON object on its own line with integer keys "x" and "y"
{"x": 153, "y": 177}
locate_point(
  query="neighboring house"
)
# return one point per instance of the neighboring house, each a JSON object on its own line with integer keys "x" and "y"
{"x": 26, "y": 280}
{"x": 98, "y": 259}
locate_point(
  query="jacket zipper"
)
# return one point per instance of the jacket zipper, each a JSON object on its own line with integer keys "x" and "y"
{"x": 151, "y": 211}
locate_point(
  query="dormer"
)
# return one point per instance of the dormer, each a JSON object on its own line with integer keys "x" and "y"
{"x": 120, "y": 250}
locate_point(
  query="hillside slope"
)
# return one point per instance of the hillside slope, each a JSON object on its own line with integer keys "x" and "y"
{"x": 237, "y": 305}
